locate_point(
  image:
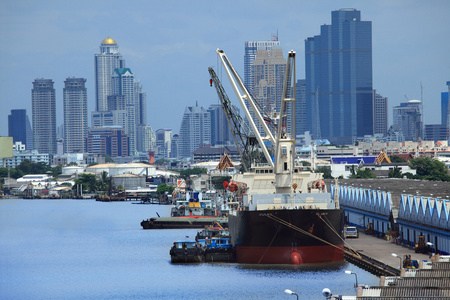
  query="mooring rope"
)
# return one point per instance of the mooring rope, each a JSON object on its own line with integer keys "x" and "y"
{"x": 267, "y": 248}
{"x": 275, "y": 218}
{"x": 328, "y": 223}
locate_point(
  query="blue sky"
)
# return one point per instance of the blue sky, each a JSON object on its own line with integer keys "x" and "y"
{"x": 169, "y": 46}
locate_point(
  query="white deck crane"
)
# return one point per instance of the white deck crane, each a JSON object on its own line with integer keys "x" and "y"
{"x": 243, "y": 94}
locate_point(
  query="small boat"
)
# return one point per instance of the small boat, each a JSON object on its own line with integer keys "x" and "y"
{"x": 218, "y": 249}
{"x": 186, "y": 252}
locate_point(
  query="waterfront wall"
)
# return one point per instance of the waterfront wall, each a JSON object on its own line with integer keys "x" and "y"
{"x": 416, "y": 215}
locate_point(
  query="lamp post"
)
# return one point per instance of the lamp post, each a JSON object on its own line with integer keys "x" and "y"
{"x": 430, "y": 244}
{"x": 395, "y": 255}
{"x": 356, "y": 276}
{"x": 289, "y": 292}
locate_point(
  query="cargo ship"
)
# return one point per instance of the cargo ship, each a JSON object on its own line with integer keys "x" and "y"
{"x": 281, "y": 212}
{"x": 305, "y": 226}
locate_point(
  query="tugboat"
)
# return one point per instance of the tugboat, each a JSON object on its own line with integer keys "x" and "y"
{"x": 186, "y": 252}
{"x": 219, "y": 249}
{"x": 282, "y": 214}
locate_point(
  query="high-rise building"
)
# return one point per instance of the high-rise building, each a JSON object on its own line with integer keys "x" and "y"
{"x": 106, "y": 62}
{"x": 380, "y": 114}
{"x": 141, "y": 104}
{"x": 338, "y": 69}
{"x": 435, "y": 132}
{"x": 164, "y": 142}
{"x": 147, "y": 140}
{"x": 251, "y": 48}
{"x": 122, "y": 83}
{"x": 107, "y": 140}
{"x": 445, "y": 109}
{"x": 174, "y": 148}
{"x": 19, "y": 128}
{"x": 407, "y": 118}
{"x": 75, "y": 115}
{"x": 268, "y": 70}
{"x": 220, "y": 129}
{"x": 195, "y": 130}
{"x": 43, "y": 101}
{"x": 300, "y": 107}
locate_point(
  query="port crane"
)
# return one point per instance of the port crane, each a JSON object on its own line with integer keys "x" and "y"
{"x": 284, "y": 142}
{"x": 243, "y": 94}
{"x": 243, "y": 137}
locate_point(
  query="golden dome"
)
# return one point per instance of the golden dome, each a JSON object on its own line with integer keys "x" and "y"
{"x": 109, "y": 41}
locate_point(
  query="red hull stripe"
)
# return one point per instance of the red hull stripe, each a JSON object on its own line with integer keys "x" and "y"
{"x": 289, "y": 255}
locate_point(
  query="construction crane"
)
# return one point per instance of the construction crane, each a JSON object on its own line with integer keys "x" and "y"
{"x": 243, "y": 95}
{"x": 242, "y": 135}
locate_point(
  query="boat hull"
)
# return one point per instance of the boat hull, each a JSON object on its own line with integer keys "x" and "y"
{"x": 293, "y": 236}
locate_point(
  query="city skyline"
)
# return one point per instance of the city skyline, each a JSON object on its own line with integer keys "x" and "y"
{"x": 170, "y": 48}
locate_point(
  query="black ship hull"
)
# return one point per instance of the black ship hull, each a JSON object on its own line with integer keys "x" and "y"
{"x": 288, "y": 236}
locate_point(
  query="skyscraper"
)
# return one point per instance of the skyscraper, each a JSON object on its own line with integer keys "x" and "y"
{"x": 338, "y": 65}
{"x": 407, "y": 118}
{"x": 300, "y": 107}
{"x": 195, "y": 130}
{"x": 380, "y": 114}
{"x": 19, "y": 128}
{"x": 251, "y": 48}
{"x": 220, "y": 129}
{"x": 106, "y": 62}
{"x": 75, "y": 115}
{"x": 43, "y": 102}
{"x": 268, "y": 70}
{"x": 122, "y": 83}
{"x": 445, "y": 109}
{"x": 164, "y": 142}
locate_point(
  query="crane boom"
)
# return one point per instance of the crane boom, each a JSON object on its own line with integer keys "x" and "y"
{"x": 238, "y": 87}
{"x": 239, "y": 129}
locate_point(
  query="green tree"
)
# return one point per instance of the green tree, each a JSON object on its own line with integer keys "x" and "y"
{"x": 104, "y": 183}
{"x": 72, "y": 164}
{"x": 360, "y": 173}
{"x": 28, "y": 167}
{"x": 395, "y": 173}
{"x": 326, "y": 172}
{"x": 163, "y": 188}
{"x": 56, "y": 171}
{"x": 88, "y": 181}
{"x": 429, "y": 169}
{"x": 13, "y": 173}
{"x": 396, "y": 159}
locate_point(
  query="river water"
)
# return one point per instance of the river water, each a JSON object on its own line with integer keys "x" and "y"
{"x": 83, "y": 249}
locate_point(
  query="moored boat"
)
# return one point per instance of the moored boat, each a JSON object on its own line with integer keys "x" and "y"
{"x": 186, "y": 252}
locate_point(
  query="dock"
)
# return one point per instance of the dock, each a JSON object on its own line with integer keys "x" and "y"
{"x": 374, "y": 254}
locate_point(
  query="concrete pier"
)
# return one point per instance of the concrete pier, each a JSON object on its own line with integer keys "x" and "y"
{"x": 379, "y": 252}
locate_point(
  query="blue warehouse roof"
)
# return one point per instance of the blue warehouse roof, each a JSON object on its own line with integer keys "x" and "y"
{"x": 353, "y": 159}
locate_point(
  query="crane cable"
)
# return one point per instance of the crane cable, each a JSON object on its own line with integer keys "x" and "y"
{"x": 278, "y": 219}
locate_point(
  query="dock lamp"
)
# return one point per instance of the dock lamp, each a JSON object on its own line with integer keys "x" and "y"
{"x": 356, "y": 276}
{"x": 395, "y": 255}
{"x": 289, "y": 292}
